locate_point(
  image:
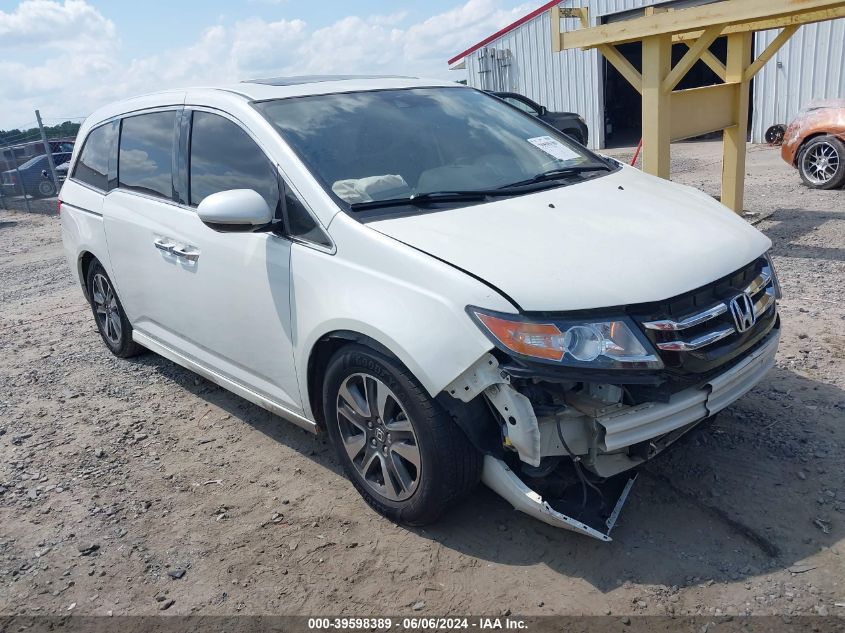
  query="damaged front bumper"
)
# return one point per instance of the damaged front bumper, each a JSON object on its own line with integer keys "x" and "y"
{"x": 591, "y": 425}
{"x": 503, "y": 481}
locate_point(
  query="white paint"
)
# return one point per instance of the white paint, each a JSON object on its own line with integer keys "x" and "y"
{"x": 619, "y": 239}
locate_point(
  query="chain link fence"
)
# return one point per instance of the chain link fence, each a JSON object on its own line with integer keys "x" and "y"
{"x": 33, "y": 162}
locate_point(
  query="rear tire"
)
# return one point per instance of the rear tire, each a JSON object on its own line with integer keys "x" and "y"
{"x": 381, "y": 421}
{"x": 114, "y": 327}
{"x": 821, "y": 162}
{"x": 46, "y": 189}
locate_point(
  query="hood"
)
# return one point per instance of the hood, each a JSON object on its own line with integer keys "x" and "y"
{"x": 615, "y": 240}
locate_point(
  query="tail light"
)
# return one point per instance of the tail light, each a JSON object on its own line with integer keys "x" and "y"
{"x": 58, "y": 206}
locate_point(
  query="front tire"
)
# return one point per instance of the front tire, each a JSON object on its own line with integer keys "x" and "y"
{"x": 821, "y": 162}
{"x": 114, "y": 326}
{"x": 402, "y": 451}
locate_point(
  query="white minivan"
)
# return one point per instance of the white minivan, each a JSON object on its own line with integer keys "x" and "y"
{"x": 451, "y": 289}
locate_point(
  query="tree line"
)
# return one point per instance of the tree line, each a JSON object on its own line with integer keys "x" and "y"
{"x": 15, "y": 136}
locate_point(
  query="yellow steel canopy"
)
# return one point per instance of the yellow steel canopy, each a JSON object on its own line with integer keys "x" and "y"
{"x": 670, "y": 114}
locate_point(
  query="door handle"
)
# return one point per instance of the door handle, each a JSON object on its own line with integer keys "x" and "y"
{"x": 164, "y": 245}
{"x": 184, "y": 253}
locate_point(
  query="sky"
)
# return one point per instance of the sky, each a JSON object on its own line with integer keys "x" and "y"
{"x": 68, "y": 57}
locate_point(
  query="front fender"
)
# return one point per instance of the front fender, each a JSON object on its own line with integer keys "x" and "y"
{"x": 412, "y": 304}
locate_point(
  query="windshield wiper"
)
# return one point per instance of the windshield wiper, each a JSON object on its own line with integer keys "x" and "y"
{"x": 418, "y": 199}
{"x": 557, "y": 174}
{"x": 513, "y": 189}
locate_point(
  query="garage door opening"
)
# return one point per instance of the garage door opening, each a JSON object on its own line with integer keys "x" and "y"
{"x": 623, "y": 104}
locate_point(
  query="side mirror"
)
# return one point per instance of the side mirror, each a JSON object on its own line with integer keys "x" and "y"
{"x": 235, "y": 209}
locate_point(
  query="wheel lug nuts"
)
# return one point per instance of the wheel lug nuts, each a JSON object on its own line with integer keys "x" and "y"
{"x": 373, "y": 441}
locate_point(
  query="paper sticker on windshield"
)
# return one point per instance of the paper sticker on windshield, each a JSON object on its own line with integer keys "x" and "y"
{"x": 553, "y": 147}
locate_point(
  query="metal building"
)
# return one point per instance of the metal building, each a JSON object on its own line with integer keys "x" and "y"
{"x": 519, "y": 58}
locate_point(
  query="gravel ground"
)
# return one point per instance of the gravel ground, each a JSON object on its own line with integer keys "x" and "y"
{"x": 135, "y": 487}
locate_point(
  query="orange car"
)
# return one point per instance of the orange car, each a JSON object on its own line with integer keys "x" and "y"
{"x": 814, "y": 143}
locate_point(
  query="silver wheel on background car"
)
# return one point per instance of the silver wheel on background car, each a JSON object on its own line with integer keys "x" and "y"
{"x": 378, "y": 437}
{"x": 106, "y": 309}
{"x": 820, "y": 163}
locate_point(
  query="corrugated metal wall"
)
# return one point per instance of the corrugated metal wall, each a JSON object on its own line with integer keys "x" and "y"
{"x": 570, "y": 81}
{"x": 811, "y": 68}
{"x": 812, "y": 63}
{"x": 565, "y": 82}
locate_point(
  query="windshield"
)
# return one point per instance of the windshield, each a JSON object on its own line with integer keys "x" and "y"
{"x": 399, "y": 144}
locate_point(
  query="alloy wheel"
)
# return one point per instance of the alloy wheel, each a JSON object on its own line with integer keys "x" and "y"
{"x": 378, "y": 437}
{"x": 107, "y": 310}
{"x": 820, "y": 163}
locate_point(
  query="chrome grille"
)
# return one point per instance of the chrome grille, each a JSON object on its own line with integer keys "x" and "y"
{"x": 762, "y": 294}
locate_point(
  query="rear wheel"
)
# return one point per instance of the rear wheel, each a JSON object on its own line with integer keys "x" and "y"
{"x": 401, "y": 450}
{"x": 46, "y": 188}
{"x": 822, "y": 162}
{"x": 112, "y": 323}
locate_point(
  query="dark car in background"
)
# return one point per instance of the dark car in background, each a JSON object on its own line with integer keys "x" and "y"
{"x": 570, "y": 123}
{"x": 17, "y": 155}
{"x": 33, "y": 178}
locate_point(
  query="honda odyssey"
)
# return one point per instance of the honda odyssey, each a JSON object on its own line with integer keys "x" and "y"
{"x": 448, "y": 287}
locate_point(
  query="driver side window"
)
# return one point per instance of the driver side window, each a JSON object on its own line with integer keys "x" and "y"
{"x": 521, "y": 105}
{"x": 224, "y": 157}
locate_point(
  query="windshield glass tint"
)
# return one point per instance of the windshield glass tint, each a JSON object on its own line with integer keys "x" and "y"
{"x": 389, "y": 144}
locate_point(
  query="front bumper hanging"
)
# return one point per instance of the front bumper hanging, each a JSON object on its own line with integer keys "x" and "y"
{"x": 594, "y": 519}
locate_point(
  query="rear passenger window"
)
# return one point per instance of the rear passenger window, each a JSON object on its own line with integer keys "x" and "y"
{"x": 146, "y": 153}
{"x": 224, "y": 157}
{"x": 92, "y": 168}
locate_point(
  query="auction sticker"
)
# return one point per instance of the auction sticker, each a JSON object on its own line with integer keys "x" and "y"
{"x": 553, "y": 147}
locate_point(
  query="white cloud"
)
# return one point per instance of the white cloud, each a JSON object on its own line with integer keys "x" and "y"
{"x": 85, "y": 66}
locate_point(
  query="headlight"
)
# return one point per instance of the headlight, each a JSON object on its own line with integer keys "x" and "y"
{"x": 612, "y": 344}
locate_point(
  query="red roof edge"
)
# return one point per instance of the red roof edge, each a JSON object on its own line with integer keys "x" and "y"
{"x": 509, "y": 27}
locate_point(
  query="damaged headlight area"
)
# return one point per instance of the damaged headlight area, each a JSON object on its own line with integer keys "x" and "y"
{"x": 601, "y": 344}
{"x": 568, "y": 422}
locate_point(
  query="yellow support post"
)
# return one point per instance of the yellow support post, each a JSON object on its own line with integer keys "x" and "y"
{"x": 733, "y": 154}
{"x": 676, "y": 114}
{"x": 657, "y": 62}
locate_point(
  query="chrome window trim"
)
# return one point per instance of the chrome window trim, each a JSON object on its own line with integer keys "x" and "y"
{"x": 80, "y": 209}
{"x": 87, "y": 186}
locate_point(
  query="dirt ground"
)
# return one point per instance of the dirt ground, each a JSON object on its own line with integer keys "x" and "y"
{"x": 117, "y": 475}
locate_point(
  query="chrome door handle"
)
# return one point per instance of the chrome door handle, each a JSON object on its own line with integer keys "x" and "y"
{"x": 164, "y": 245}
{"x": 184, "y": 253}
